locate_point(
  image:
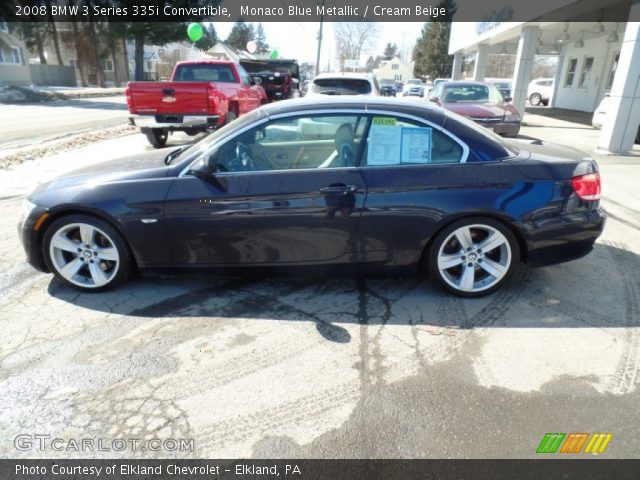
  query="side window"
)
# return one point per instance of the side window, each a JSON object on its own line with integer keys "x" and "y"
{"x": 304, "y": 142}
{"x": 399, "y": 141}
{"x": 244, "y": 76}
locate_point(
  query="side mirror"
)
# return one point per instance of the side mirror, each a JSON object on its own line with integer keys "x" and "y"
{"x": 508, "y": 99}
{"x": 434, "y": 99}
{"x": 201, "y": 169}
{"x": 256, "y": 80}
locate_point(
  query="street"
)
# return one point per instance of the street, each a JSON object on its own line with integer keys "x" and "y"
{"x": 26, "y": 124}
{"x": 319, "y": 367}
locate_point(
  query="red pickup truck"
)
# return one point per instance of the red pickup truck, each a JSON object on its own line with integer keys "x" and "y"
{"x": 202, "y": 95}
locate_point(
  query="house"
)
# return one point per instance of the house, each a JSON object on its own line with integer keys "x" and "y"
{"x": 14, "y": 69}
{"x": 395, "y": 69}
{"x": 159, "y": 60}
{"x": 222, "y": 51}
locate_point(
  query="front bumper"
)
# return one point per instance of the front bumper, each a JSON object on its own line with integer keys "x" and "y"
{"x": 30, "y": 240}
{"x": 174, "y": 122}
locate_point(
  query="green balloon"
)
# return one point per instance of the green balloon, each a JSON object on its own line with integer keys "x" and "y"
{"x": 274, "y": 54}
{"x": 194, "y": 30}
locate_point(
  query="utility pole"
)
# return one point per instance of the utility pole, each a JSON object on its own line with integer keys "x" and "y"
{"x": 319, "y": 40}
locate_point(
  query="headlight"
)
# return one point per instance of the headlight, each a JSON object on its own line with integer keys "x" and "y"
{"x": 27, "y": 208}
{"x": 512, "y": 117}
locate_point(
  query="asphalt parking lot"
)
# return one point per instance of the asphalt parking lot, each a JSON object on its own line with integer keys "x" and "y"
{"x": 331, "y": 367}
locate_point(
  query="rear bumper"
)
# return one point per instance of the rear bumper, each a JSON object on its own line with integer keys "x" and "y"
{"x": 568, "y": 238}
{"x": 174, "y": 122}
{"x": 501, "y": 128}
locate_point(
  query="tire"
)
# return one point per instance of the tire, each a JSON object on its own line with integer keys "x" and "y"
{"x": 468, "y": 270}
{"x": 230, "y": 117}
{"x": 535, "y": 99}
{"x": 157, "y": 137}
{"x": 106, "y": 264}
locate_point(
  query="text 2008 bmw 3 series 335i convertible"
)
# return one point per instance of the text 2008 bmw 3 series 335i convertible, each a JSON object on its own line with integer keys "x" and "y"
{"x": 319, "y": 185}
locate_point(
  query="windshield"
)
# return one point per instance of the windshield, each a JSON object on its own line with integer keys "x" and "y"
{"x": 472, "y": 94}
{"x": 203, "y": 72}
{"x": 341, "y": 86}
{"x": 414, "y": 82}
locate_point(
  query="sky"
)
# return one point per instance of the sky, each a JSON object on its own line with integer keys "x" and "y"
{"x": 298, "y": 40}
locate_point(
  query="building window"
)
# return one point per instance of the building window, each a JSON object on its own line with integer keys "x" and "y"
{"x": 586, "y": 72}
{"x": 571, "y": 72}
{"x": 398, "y": 77}
{"x": 10, "y": 55}
{"x": 612, "y": 72}
{"x": 4, "y": 27}
{"x": 395, "y": 66}
{"x": 107, "y": 65}
{"x": 149, "y": 66}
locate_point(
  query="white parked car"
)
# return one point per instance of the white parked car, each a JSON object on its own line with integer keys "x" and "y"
{"x": 600, "y": 115}
{"x": 540, "y": 91}
{"x": 343, "y": 84}
{"x": 413, "y": 86}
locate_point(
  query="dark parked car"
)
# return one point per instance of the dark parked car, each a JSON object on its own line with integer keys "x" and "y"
{"x": 481, "y": 102}
{"x": 387, "y": 88}
{"x": 352, "y": 182}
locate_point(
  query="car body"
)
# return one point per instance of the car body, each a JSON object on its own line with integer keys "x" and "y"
{"x": 202, "y": 95}
{"x": 539, "y": 91}
{"x": 413, "y": 87}
{"x": 503, "y": 86}
{"x": 600, "y": 115}
{"x": 481, "y": 102}
{"x": 344, "y": 83}
{"x": 328, "y": 185}
{"x": 387, "y": 88}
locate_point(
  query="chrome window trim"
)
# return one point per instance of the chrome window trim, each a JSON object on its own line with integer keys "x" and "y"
{"x": 336, "y": 112}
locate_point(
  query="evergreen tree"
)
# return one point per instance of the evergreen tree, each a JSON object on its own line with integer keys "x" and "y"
{"x": 241, "y": 34}
{"x": 390, "y": 51}
{"x": 430, "y": 54}
{"x": 209, "y": 38}
{"x": 261, "y": 40}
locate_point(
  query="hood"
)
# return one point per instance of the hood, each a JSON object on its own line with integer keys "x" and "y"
{"x": 479, "y": 110}
{"x": 140, "y": 166}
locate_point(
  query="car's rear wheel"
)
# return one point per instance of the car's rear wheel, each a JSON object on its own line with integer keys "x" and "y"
{"x": 535, "y": 99}
{"x": 86, "y": 253}
{"x": 473, "y": 257}
{"x": 157, "y": 137}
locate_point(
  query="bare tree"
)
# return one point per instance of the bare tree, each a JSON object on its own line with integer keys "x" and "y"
{"x": 354, "y": 38}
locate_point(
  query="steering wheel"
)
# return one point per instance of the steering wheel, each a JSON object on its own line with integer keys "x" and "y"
{"x": 244, "y": 158}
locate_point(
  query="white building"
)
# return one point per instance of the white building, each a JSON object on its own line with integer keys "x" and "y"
{"x": 594, "y": 58}
{"x": 395, "y": 69}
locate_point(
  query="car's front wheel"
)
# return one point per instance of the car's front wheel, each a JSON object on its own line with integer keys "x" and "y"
{"x": 473, "y": 257}
{"x": 86, "y": 253}
{"x": 535, "y": 99}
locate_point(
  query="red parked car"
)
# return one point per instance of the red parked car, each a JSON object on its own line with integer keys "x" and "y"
{"x": 481, "y": 102}
{"x": 202, "y": 95}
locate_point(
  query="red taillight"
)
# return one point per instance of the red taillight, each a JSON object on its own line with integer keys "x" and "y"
{"x": 127, "y": 94}
{"x": 587, "y": 187}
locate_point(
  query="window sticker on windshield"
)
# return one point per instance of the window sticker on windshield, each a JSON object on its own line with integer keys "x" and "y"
{"x": 416, "y": 145}
{"x": 395, "y": 145}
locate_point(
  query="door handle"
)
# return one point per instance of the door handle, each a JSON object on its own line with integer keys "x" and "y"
{"x": 281, "y": 156}
{"x": 339, "y": 189}
{"x": 168, "y": 91}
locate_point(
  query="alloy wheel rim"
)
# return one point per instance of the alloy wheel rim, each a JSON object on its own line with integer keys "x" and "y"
{"x": 84, "y": 255}
{"x": 474, "y": 258}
